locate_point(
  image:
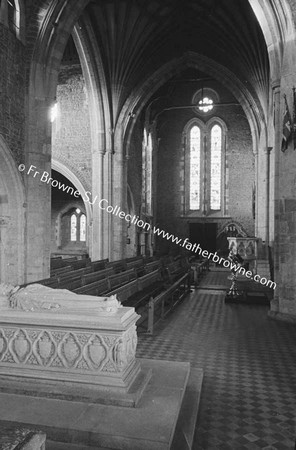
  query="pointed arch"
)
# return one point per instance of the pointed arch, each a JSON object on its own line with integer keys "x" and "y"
{"x": 68, "y": 173}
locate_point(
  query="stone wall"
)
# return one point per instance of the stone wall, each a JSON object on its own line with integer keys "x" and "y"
{"x": 12, "y": 92}
{"x": 71, "y": 139}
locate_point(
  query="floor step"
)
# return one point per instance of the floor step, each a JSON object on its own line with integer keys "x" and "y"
{"x": 52, "y": 445}
{"x": 152, "y": 425}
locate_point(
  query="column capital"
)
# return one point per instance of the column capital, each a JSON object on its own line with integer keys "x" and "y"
{"x": 276, "y": 85}
{"x": 99, "y": 151}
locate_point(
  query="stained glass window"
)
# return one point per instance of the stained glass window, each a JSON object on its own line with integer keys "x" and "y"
{"x": 82, "y": 227}
{"x": 195, "y": 168}
{"x": 206, "y": 104}
{"x": 149, "y": 175}
{"x": 216, "y": 150}
{"x": 73, "y": 227}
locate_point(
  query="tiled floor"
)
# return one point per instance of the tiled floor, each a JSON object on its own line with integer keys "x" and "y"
{"x": 249, "y": 392}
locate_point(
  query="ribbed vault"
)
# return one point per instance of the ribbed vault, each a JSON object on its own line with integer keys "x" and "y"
{"x": 136, "y": 37}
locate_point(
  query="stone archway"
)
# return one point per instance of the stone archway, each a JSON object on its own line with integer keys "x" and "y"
{"x": 46, "y": 57}
{"x": 60, "y": 167}
{"x": 12, "y": 223}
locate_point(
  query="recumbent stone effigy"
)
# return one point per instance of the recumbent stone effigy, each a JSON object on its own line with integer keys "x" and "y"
{"x": 57, "y": 335}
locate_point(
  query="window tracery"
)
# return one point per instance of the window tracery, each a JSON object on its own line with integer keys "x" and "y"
{"x": 205, "y": 166}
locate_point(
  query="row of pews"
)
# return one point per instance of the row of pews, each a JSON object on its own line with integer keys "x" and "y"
{"x": 152, "y": 286}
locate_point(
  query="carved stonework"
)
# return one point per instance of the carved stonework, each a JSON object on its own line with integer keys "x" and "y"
{"x": 110, "y": 340}
{"x": 36, "y": 297}
{"x": 70, "y": 350}
{"x": 119, "y": 355}
{"x": 87, "y": 340}
{"x": 21, "y": 346}
{"x": 83, "y": 351}
{"x": 3, "y": 343}
{"x": 96, "y": 352}
{"x": 109, "y": 367}
{"x": 131, "y": 343}
{"x": 45, "y": 348}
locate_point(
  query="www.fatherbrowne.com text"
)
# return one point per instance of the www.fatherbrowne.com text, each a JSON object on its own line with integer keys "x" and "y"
{"x": 133, "y": 219}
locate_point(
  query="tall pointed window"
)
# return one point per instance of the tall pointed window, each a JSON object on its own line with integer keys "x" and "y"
{"x": 77, "y": 226}
{"x": 205, "y": 161}
{"x": 147, "y": 161}
{"x": 73, "y": 227}
{"x": 82, "y": 227}
{"x": 195, "y": 167}
{"x": 216, "y": 153}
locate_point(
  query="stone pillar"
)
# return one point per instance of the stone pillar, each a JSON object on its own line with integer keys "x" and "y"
{"x": 96, "y": 197}
{"x": 274, "y": 306}
{"x": 256, "y": 194}
{"x": 107, "y": 222}
{"x": 38, "y": 191}
{"x": 262, "y": 194}
{"x": 4, "y": 222}
{"x": 267, "y": 184}
{"x": 119, "y": 196}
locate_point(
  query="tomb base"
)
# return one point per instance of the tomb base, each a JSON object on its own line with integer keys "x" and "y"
{"x": 164, "y": 418}
{"x": 74, "y": 351}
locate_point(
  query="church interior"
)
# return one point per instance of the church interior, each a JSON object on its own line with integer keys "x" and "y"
{"x": 145, "y": 148}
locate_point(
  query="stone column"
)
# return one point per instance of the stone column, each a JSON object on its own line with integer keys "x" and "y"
{"x": 119, "y": 195}
{"x": 107, "y": 218}
{"x": 4, "y": 221}
{"x": 97, "y": 196}
{"x": 274, "y": 306}
{"x": 262, "y": 194}
{"x": 256, "y": 193}
{"x": 38, "y": 191}
{"x": 267, "y": 151}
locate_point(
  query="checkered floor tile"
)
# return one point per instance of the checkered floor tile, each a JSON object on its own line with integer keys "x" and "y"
{"x": 249, "y": 391}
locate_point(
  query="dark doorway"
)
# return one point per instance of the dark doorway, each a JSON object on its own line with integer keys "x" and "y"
{"x": 204, "y": 234}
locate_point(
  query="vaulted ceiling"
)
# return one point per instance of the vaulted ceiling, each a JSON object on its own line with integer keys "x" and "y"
{"x": 136, "y": 37}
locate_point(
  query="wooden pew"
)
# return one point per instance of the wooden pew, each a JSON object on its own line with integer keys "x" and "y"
{"x": 57, "y": 263}
{"x": 96, "y": 276}
{"x": 137, "y": 291}
{"x": 118, "y": 266}
{"x": 163, "y": 303}
{"x": 80, "y": 263}
{"x": 121, "y": 278}
{"x": 151, "y": 266}
{"x": 99, "y": 265}
{"x": 175, "y": 270}
{"x": 148, "y": 286}
{"x": 125, "y": 291}
{"x": 98, "y": 288}
{"x": 199, "y": 267}
{"x": 138, "y": 265}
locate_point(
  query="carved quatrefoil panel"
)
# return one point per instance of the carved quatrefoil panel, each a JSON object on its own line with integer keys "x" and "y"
{"x": 70, "y": 350}
{"x": 20, "y": 346}
{"x": 45, "y": 349}
{"x": 96, "y": 352}
{"x": 3, "y": 344}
